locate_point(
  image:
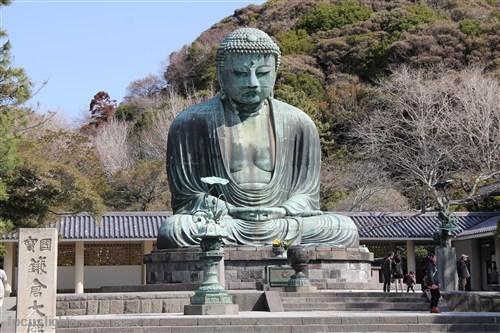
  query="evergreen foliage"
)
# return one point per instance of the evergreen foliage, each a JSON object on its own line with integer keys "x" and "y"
{"x": 325, "y": 16}
{"x": 295, "y": 41}
{"x": 60, "y": 173}
{"x": 15, "y": 89}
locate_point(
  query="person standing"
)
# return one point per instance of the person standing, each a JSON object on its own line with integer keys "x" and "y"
{"x": 494, "y": 275}
{"x": 433, "y": 282}
{"x": 387, "y": 270}
{"x": 397, "y": 272}
{"x": 463, "y": 272}
{"x": 410, "y": 281}
{"x": 3, "y": 279}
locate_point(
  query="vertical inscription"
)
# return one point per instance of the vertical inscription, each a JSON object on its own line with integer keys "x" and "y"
{"x": 37, "y": 280}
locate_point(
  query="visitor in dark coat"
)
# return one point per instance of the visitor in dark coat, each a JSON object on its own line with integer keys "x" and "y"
{"x": 387, "y": 271}
{"x": 432, "y": 282}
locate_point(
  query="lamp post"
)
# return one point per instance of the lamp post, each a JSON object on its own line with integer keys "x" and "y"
{"x": 210, "y": 298}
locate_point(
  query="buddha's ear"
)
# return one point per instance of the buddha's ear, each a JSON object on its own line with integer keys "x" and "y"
{"x": 221, "y": 84}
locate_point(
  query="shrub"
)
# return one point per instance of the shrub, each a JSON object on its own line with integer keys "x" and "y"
{"x": 329, "y": 16}
{"x": 295, "y": 42}
{"x": 470, "y": 27}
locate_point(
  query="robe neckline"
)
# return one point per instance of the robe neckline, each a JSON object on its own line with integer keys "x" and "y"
{"x": 220, "y": 132}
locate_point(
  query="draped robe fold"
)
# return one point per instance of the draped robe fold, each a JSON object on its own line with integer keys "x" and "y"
{"x": 197, "y": 148}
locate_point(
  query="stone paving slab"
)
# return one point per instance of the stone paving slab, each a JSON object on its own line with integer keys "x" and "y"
{"x": 310, "y": 323}
{"x": 288, "y": 322}
{"x": 288, "y": 318}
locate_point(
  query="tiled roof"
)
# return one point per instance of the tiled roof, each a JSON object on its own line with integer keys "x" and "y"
{"x": 371, "y": 226}
{"x": 113, "y": 226}
{"x": 415, "y": 226}
{"x": 490, "y": 225}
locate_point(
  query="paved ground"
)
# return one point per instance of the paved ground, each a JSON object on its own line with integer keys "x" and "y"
{"x": 8, "y": 315}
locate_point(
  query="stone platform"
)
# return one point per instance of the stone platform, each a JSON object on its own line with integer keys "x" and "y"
{"x": 322, "y": 311}
{"x": 245, "y": 267}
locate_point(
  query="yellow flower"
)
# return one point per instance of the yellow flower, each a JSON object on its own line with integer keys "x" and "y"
{"x": 284, "y": 244}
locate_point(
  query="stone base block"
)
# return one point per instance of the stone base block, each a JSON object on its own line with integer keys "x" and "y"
{"x": 245, "y": 267}
{"x": 301, "y": 289}
{"x": 447, "y": 268}
{"x": 211, "y": 309}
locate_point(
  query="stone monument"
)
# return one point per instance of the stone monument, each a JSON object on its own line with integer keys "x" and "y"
{"x": 269, "y": 152}
{"x": 447, "y": 269}
{"x": 37, "y": 280}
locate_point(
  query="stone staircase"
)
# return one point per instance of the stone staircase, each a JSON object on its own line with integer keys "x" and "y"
{"x": 286, "y": 322}
{"x": 326, "y": 311}
{"x": 355, "y": 301}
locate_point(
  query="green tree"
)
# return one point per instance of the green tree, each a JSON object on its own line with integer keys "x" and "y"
{"x": 15, "y": 89}
{"x": 143, "y": 187}
{"x": 192, "y": 69}
{"x": 60, "y": 173}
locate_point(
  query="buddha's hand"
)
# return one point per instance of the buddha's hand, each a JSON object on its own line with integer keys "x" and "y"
{"x": 257, "y": 213}
{"x": 312, "y": 213}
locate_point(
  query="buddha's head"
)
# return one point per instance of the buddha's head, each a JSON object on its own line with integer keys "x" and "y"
{"x": 247, "y": 61}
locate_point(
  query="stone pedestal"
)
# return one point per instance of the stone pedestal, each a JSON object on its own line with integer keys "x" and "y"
{"x": 211, "y": 298}
{"x": 211, "y": 309}
{"x": 245, "y": 267}
{"x": 301, "y": 289}
{"x": 447, "y": 268}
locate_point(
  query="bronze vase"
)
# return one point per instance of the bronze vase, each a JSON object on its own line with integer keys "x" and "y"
{"x": 298, "y": 256}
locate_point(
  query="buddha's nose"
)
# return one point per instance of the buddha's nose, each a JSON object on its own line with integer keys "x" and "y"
{"x": 253, "y": 82}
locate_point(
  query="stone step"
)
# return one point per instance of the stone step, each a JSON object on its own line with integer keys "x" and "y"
{"x": 353, "y": 294}
{"x": 355, "y": 301}
{"x": 356, "y": 307}
{"x": 250, "y": 322}
{"x": 422, "y": 299}
{"x": 431, "y": 328}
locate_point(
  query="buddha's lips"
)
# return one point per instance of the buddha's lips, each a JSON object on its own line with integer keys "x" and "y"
{"x": 251, "y": 93}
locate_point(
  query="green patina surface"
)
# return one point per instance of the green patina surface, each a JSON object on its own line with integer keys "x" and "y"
{"x": 268, "y": 151}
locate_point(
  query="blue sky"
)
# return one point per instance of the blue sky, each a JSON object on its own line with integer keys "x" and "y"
{"x": 82, "y": 47}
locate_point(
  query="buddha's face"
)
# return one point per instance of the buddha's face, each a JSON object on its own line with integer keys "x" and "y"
{"x": 248, "y": 79}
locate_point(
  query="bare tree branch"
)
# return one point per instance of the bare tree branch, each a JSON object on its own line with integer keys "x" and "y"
{"x": 431, "y": 126}
{"x": 113, "y": 147}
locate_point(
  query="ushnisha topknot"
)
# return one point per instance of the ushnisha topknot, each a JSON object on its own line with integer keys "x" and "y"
{"x": 248, "y": 40}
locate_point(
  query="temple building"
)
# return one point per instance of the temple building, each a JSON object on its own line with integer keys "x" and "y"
{"x": 110, "y": 253}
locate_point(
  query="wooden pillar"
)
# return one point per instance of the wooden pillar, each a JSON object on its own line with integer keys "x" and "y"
{"x": 147, "y": 247}
{"x": 9, "y": 267}
{"x": 410, "y": 254}
{"x": 392, "y": 247}
{"x": 79, "y": 266}
{"x": 475, "y": 266}
{"x": 497, "y": 253}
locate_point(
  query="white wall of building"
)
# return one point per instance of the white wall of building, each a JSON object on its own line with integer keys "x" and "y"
{"x": 99, "y": 276}
{"x": 463, "y": 247}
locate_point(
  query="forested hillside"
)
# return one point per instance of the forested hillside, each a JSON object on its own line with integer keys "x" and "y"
{"x": 405, "y": 95}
